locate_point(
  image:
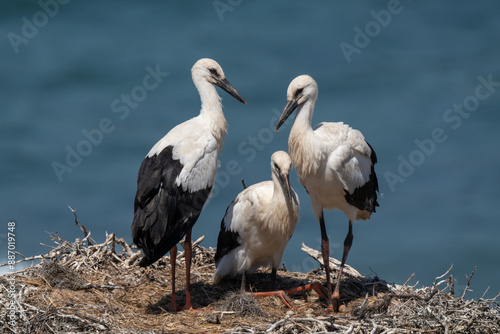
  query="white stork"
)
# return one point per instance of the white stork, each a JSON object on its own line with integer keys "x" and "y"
{"x": 334, "y": 163}
{"x": 177, "y": 175}
{"x": 258, "y": 224}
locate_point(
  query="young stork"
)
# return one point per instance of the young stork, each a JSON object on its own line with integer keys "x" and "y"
{"x": 334, "y": 163}
{"x": 258, "y": 224}
{"x": 177, "y": 176}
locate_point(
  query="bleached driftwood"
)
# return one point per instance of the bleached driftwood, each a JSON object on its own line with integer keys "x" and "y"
{"x": 334, "y": 263}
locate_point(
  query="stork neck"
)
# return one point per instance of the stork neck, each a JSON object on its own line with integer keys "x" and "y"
{"x": 210, "y": 100}
{"x": 303, "y": 153}
{"x": 303, "y": 117}
{"x": 211, "y": 110}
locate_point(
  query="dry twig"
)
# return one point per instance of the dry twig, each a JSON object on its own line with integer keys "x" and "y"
{"x": 115, "y": 296}
{"x": 82, "y": 227}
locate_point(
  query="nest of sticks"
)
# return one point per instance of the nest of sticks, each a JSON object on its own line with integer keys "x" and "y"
{"x": 86, "y": 287}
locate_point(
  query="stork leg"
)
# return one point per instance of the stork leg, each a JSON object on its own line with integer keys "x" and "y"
{"x": 279, "y": 293}
{"x": 173, "y": 256}
{"x": 187, "y": 256}
{"x": 347, "y": 247}
{"x": 325, "y": 251}
{"x": 283, "y": 294}
{"x": 243, "y": 288}
{"x": 273, "y": 279}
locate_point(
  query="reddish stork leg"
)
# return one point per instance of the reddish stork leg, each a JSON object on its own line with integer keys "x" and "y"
{"x": 283, "y": 294}
{"x": 280, "y": 293}
{"x": 188, "y": 251}
{"x": 347, "y": 247}
{"x": 325, "y": 251}
{"x": 173, "y": 256}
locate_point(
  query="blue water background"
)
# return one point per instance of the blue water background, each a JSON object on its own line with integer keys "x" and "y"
{"x": 396, "y": 87}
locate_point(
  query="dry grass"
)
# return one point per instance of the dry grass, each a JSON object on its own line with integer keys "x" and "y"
{"x": 84, "y": 287}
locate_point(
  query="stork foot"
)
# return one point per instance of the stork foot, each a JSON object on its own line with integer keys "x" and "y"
{"x": 316, "y": 286}
{"x": 173, "y": 306}
{"x": 196, "y": 310}
{"x": 280, "y": 293}
{"x": 335, "y": 302}
{"x": 189, "y": 307}
{"x": 283, "y": 294}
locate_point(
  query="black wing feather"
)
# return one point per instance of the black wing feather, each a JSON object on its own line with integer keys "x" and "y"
{"x": 365, "y": 197}
{"x": 227, "y": 239}
{"x": 163, "y": 212}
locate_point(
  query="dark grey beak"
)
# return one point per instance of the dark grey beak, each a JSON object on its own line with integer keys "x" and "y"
{"x": 288, "y": 188}
{"x": 289, "y": 108}
{"x": 224, "y": 84}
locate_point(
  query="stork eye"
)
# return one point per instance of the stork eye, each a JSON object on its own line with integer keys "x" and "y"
{"x": 299, "y": 91}
{"x": 213, "y": 71}
{"x": 277, "y": 167}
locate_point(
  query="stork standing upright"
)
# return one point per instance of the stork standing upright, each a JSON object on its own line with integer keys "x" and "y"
{"x": 177, "y": 175}
{"x": 258, "y": 224}
{"x": 334, "y": 163}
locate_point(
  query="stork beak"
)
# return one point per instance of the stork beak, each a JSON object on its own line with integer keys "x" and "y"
{"x": 289, "y": 108}
{"x": 288, "y": 189}
{"x": 224, "y": 84}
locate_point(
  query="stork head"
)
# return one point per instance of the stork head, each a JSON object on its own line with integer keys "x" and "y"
{"x": 302, "y": 89}
{"x": 209, "y": 70}
{"x": 280, "y": 166}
